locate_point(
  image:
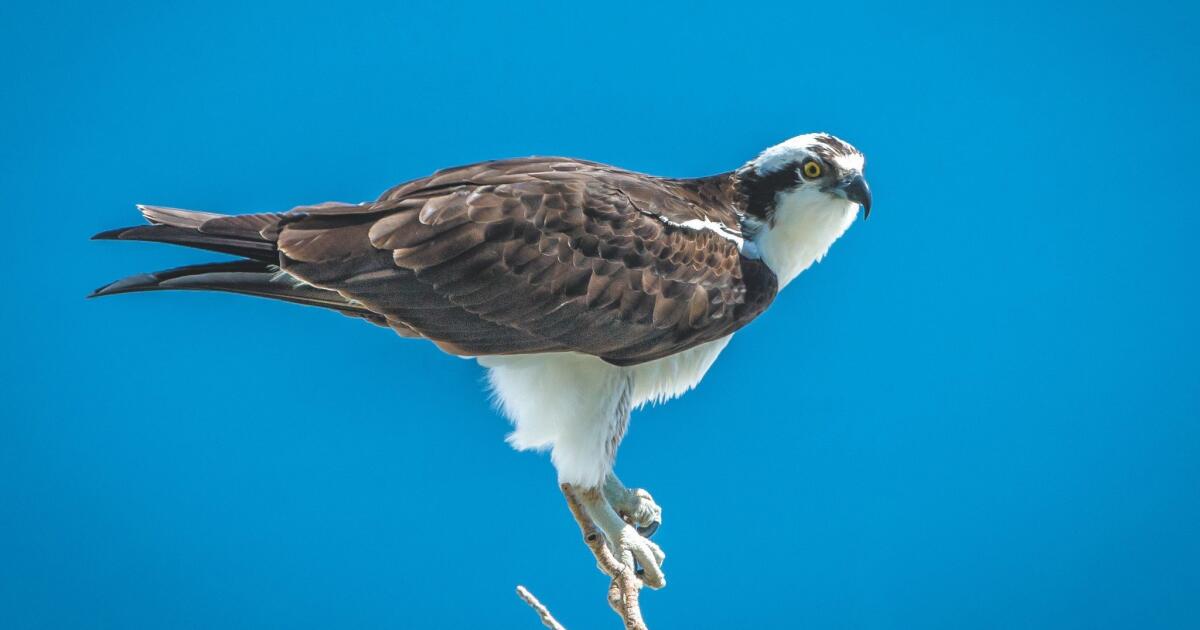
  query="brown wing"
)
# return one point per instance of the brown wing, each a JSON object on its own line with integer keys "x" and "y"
{"x": 535, "y": 255}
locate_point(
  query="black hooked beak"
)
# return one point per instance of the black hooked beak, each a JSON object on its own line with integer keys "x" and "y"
{"x": 854, "y": 188}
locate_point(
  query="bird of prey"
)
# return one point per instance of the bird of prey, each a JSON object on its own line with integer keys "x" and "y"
{"x": 585, "y": 290}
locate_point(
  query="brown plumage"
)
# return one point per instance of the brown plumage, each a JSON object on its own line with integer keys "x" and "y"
{"x": 565, "y": 263}
{"x": 504, "y": 257}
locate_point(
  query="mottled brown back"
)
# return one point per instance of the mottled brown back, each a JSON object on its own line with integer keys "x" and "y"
{"x": 536, "y": 255}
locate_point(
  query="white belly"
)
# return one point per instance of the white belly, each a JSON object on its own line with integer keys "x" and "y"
{"x": 670, "y": 377}
{"x": 577, "y": 404}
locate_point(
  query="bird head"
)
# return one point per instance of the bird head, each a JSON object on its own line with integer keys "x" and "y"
{"x": 798, "y": 197}
{"x": 814, "y": 167}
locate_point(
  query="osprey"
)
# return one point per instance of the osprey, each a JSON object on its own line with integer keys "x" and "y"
{"x": 586, "y": 290}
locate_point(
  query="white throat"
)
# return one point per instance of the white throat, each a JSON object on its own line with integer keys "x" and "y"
{"x": 805, "y": 225}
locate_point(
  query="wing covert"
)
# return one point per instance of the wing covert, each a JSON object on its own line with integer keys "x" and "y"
{"x": 535, "y": 255}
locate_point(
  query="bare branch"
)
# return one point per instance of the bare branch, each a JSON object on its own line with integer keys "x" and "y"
{"x": 548, "y": 620}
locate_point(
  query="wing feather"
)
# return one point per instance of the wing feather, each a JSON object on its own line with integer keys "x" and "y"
{"x": 534, "y": 255}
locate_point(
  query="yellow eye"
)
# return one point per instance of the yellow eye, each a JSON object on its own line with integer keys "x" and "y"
{"x": 811, "y": 169}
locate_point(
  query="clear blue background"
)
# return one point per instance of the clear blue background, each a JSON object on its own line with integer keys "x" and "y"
{"x": 981, "y": 411}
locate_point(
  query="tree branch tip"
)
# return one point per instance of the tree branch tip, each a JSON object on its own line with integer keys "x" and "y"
{"x": 543, "y": 613}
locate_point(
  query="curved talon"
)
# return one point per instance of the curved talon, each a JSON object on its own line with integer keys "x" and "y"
{"x": 648, "y": 530}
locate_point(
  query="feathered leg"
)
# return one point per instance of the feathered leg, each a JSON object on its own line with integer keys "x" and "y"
{"x": 604, "y": 501}
{"x": 579, "y": 407}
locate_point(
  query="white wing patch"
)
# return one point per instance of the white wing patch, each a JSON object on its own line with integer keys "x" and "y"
{"x": 719, "y": 228}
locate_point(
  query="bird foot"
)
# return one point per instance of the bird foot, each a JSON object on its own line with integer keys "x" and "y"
{"x": 628, "y": 546}
{"x": 639, "y": 553}
{"x": 635, "y": 506}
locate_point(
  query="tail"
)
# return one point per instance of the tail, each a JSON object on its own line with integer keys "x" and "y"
{"x": 251, "y": 236}
{"x": 248, "y": 235}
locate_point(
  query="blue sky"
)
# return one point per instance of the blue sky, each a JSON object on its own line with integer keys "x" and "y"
{"x": 981, "y": 411}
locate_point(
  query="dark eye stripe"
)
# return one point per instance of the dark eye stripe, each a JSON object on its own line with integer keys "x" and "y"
{"x": 760, "y": 190}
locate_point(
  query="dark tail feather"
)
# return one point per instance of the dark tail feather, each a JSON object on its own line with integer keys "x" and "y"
{"x": 249, "y": 277}
{"x": 261, "y": 251}
{"x": 249, "y": 235}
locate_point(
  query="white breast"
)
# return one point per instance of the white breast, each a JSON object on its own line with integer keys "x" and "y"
{"x": 806, "y": 223}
